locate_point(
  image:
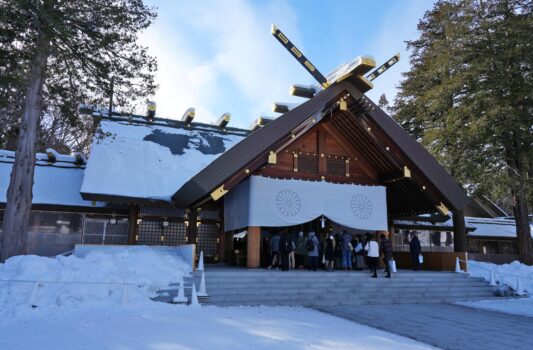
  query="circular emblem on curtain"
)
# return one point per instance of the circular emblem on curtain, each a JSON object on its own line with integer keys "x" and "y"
{"x": 361, "y": 206}
{"x": 288, "y": 202}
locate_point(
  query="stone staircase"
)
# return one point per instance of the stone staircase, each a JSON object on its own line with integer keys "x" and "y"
{"x": 232, "y": 286}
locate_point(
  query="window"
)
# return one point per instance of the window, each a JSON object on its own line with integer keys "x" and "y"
{"x": 431, "y": 241}
{"x": 55, "y": 222}
{"x": 336, "y": 167}
{"x": 207, "y": 239}
{"x": 308, "y": 164}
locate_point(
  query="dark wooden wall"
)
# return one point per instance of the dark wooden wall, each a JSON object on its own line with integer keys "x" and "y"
{"x": 320, "y": 155}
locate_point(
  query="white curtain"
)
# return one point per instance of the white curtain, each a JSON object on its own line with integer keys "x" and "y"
{"x": 262, "y": 201}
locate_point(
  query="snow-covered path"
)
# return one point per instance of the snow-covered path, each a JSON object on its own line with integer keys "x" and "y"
{"x": 171, "y": 327}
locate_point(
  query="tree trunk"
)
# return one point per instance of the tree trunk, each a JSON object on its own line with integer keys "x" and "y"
{"x": 523, "y": 230}
{"x": 19, "y": 193}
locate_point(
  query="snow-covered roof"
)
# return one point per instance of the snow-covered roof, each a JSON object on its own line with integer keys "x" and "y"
{"x": 497, "y": 227}
{"x": 132, "y": 159}
{"x": 478, "y": 227}
{"x": 55, "y": 183}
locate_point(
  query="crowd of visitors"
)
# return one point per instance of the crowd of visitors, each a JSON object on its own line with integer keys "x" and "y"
{"x": 341, "y": 250}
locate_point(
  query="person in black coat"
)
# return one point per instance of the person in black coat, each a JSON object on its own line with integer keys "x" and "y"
{"x": 415, "y": 249}
{"x": 329, "y": 252}
{"x": 284, "y": 249}
{"x": 386, "y": 251}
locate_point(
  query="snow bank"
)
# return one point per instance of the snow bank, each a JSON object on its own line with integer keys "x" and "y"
{"x": 104, "y": 273}
{"x": 505, "y": 274}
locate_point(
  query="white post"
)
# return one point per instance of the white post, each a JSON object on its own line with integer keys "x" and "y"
{"x": 33, "y": 295}
{"x": 492, "y": 279}
{"x": 181, "y": 298}
{"x": 203, "y": 291}
{"x": 194, "y": 297}
{"x": 201, "y": 262}
{"x": 519, "y": 289}
{"x": 457, "y": 265}
{"x": 124, "y": 300}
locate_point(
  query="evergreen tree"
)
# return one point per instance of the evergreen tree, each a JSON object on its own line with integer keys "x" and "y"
{"x": 54, "y": 55}
{"x": 383, "y": 103}
{"x": 468, "y": 97}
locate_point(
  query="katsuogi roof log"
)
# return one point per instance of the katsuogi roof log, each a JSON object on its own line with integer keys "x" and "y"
{"x": 306, "y": 91}
{"x": 223, "y": 120}
{"x": 188, "y": 116}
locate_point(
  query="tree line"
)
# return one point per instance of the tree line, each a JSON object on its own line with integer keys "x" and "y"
{"x": 468, "y": 98}
{"x": 54, "y": 55}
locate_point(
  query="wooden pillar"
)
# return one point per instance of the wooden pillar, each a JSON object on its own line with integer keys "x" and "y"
{"x": 228, "y": 238}
{"x": 192, "y": 229}
{"x": 254, "y": 247}
{"x": 132, "y": 224}
{"x": 321, "y": 149}
{"x": 221, "y": 244}
{"x": 391, "y": 231}
{"x": 459, "y": 231}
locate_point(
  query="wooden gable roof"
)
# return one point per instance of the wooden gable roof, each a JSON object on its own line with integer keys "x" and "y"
{"x": 362, "y": 125}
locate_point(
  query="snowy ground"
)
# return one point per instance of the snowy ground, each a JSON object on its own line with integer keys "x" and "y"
{"x": 170, "y": 327}
{"x": 94, "y": 316}
{"x": 505, "y": 274}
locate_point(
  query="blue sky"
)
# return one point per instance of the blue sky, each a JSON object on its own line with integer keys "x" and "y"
{"x": 219, "y": 56}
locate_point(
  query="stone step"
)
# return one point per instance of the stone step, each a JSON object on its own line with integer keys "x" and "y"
{"x": 348, "y": 296}
{"x": 345, "y": 293}
{"x": 360, "y": 301}
{"x": 322, "y": 287}
{"x": 381, "y": 281}
{"x": 345, "y": 278}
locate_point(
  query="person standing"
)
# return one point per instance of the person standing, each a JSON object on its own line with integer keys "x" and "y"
{"x": 274, "y": 250}
{"x": 338, "y": 250}
{"x": 346, "y": 250}
{"x": 292, "y": 246}
{"x": 359, "y": 254}
{"x": 372, "y": 248}
{"x": 284, "y": 250}
{"x": 386, "y": 252}
{"x": 415, "y": 248}
{"x": 329, "y": 252}
{"x": 312, "y": 247}
{"x": 301, "y": 251}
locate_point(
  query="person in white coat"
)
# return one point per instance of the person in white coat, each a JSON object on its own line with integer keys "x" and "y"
{"x": 372, "y": 248}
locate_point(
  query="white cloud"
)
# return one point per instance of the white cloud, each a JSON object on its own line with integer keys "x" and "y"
{"x": 219, "y": 56}
{"x": 221, "y": 53}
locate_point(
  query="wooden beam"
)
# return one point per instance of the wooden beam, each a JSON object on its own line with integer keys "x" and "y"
{"x": 321, "y": 148}
{"x": 192, "y": 229}
{"x": 132, "y": 224}
{"x": 253, "y": 240}
{"x": 459, "y": 231}
{"x": 395, "y": 176}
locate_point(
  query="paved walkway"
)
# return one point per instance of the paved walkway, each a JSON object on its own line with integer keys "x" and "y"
{"x": 444, "y": 325}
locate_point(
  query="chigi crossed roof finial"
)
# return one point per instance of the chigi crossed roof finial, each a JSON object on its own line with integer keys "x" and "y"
{"x": 353, "y": 71}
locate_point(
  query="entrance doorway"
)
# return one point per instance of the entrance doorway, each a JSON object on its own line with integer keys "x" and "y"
{"x": 299, "y": 233}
